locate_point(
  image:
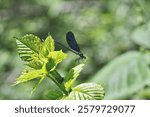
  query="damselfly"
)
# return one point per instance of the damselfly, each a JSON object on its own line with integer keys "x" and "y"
{"x": 70, "y": 38}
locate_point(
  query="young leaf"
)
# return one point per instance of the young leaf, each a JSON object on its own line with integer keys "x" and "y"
{"x": 47, "y": 46}
{"x": 36, "y": 64}
{"x": 27, "y": 46}
{"x": 49, "y": 43}
{"x": 72, "y": 75}
{"x": 86, "y": 91}
{"x": 29, "y": 76}
{"x": 57, "y": 56}
{"x": 43, "y": 50}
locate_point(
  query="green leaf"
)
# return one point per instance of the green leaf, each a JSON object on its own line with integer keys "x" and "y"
{"x": 141, "y": 36}
{"x": 49, "y": 44}
{"x": 54, "y": 94}
{"x": 43, "y": 50}
{"x": 124, "y": 76}
{"x": 57, "y": 56}
{"x": 37, "y": 84}
{"x": 35, "y": 63}
{"x": 143, "y": 94}
{"x": 28, "y": 45}
{"x": 72, "y": 75}
{"x": 29, "y": 76}
{"x": 86, "y": 91}
{"x": 50, "y": 65}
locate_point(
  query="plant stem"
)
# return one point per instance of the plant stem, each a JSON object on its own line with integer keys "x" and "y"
{"x": 57, "y": 76}
{"x": 61, "y": 86}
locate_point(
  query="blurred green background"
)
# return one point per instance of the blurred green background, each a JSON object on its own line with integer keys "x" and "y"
{"x": 114, "y": 36}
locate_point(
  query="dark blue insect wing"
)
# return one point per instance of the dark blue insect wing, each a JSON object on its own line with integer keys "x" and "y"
{"x": 72, "y": 42}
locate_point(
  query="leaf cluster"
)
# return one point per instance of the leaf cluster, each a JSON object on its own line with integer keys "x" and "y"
{"x": 41, "y": 62}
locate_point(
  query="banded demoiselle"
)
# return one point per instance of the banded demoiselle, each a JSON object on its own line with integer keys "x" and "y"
{"x": 70, "y": 38}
